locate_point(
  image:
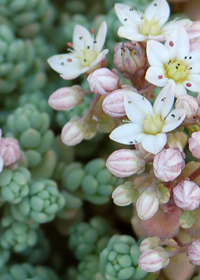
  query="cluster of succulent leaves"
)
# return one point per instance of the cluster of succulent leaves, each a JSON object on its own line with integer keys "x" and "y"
{"x": 49, "y": 199}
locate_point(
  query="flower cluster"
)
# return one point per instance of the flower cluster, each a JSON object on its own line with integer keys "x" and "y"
{"x": 149, "y": 104}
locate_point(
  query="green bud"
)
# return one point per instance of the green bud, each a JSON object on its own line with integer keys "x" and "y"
{"x": 119, "y": 259}
{"x": 89, "y": 238}
{"x": 14, "y": 184}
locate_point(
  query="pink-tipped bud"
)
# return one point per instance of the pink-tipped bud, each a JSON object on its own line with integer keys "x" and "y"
{"x": 194, "y": 35}
{"x": 66, "y": 98}
{"x": 189, "y": 104}
{"x": 10, "y": 151}
{"x": 129, "y": 58}
{"x": 194, "y": 252}
{"x": 113, "y": 104}
{"x": 124, "y": 194}
{"x": 154, "y": 260}
{"x": 103, "y": 81}
{"x": 194, "y": 144}
{"x": 187, "y": 195}
{"x": 147, "y": 204}
{"x": 149, "y": 243}
{"x": 73, "y": 132}
{"x": 168, "y": 164}
{"x": 124, "y": 163}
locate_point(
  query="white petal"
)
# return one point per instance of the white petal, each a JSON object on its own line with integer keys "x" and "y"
{"x": 159, "y": 10}
{"x": 193, "y": 61}
{"x": 101, "y": 37}
{"x": 160, "y": 37}
{"x": 81, "y": 38}
{"x": 165, "y": 100}
{"x": 174, "y": 119}
{"x": 1, "y": 164}
{"x": 157, "y": 53}
{"x": 137, "y": 107}
{"x": 62, "y": 63}
{"x": 154, "y": 143}
{"x": 178, "y": 44}
{"x": 127, "y": 134}
{"x": 130, "y": 33}
{"x": 172, "y": 25}
{"x": 180, "y": 90}
{"x": 99, "y": 58}
{"x": 156, "y": 76}
{"x": 127, "y": 15}
{"x": 193, "y": 83}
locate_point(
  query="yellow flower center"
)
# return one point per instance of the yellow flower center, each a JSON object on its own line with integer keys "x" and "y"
{"x": 87, "y": 57}
{"x": 153, "y": 124}
{"x": 150, "y": 27}
{"x": 176, "y": 70}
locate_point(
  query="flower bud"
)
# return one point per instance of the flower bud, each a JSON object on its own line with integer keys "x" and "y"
{"x": 149, "y": 243}
{"x": 66, "y": 98}
{"x": 177, "y": 140}
{"x": 147, "y": 204}
{"x": 188, "y": 103}
{"x": 154, "y": 260}
{"x": 168, "y": 164}
{"x": 187, "y": 219}
{"x": 129, "y": 58}
{"x": 194, "y": 144}
{"x": 103, "y": 81}
{"x": 124, "y": 163}
{"x": 73, "y": 132}
{"x": 124, "y": 194}
{"x": 187, "y": 195}
{"x": 113, "y": 104}
{"x": 194, "y": 252}
{"x": 194, "y": 35}
{"x": 10, "y": 151}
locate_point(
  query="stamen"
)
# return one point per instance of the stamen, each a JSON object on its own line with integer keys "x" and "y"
{"x": 160, "y": 77}
{"x": 131, "y": 9}
{"x": 70, "y": 45}
{"x": 129, "y": 102}
{"x": 62, "y": 63}
{"x": 92, "y": 30}
{"x": 185, "y": 57}
{"x": 95, "y": 42}
{"x": 188, "y": 84}
{"x": 190, "y": 57}
{"x": 172, "y": 115}
{"x": 171, "y": 43}
{"x": 163, "y": 99}
{"x": 125, "y": 19}
{"x": 69, "y": 60}
{"x": 155, "y": 4}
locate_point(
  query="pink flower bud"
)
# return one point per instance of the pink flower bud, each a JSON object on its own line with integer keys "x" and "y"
{"x": 124, "y": 194}
{"x": 147, "y": 204}
{"x": 149, "y": 243}
{"x": 194, "y": 35}
{"x": 154, "y": 260}
{"x": 194, "y": 252}
{"x": 124, "y": 163}
{"x": 73, "y": 132}
{"x": 194, "y": 144}
{"x": 103, "y": 81}
{"x": 189, "y": 104}
{"x": 113, "y": 104}
{"x": 168, "y": 164}
{"x": 187, "y": 195}
{"x": 10, "y": 151}
{"x": 129, "y": 58}
{"x": 66, "y": 98}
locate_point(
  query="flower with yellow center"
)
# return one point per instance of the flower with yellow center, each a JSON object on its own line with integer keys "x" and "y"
{"x": 149, "y": 124}
{"x": 174, "y": 61}
{"x": 85, "y": 56}
{"x": 151, "y": 24}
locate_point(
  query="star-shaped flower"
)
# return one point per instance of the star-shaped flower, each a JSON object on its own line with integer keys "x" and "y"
{"x": 85, "y": 56}
{"x": 149, "y": 124}
{"x": 140, "y": 26}
{"x": 174, "y": 61}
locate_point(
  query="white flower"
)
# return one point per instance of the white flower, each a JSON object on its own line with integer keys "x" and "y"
{"x": 150, "y": 25}
{"x": 174, "y": 61}
{"x": 86, "y": 55}
{"x": 149, "y": 124}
